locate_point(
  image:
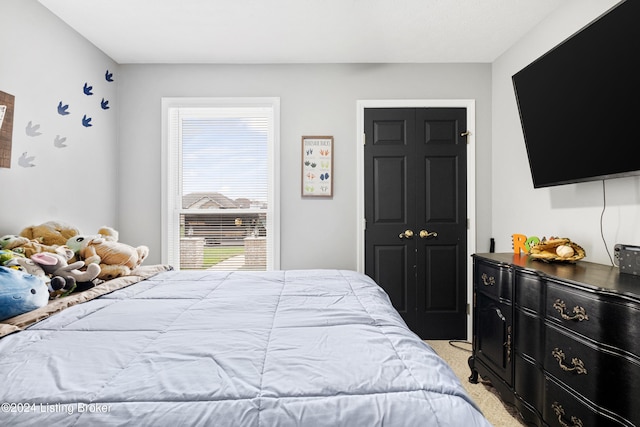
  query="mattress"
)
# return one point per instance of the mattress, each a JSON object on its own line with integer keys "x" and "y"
{"x": 184, "y": 348}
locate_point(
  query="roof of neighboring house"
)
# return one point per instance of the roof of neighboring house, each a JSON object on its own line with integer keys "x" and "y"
{"x": 204, "y": 200}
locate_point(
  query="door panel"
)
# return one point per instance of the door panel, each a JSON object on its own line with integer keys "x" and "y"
{"x": 441, "y": 299}
{"x": 440, "y": 265}
{"x": 389, "y": 132}
{"x": 440, "y": 131}
{"x": 441, "y": 277}
{"x": 389, "y": 183}
{"x": 441, "y": 200}
{"x": 392, "y": 271}
{"x": 415, "y": 179}
{"x": 389, "y": 259}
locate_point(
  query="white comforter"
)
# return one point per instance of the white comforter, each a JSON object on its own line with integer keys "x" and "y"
{"x": 285, "y": 348}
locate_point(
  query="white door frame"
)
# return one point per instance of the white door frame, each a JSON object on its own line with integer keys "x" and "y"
{"x": 470, "y": 105}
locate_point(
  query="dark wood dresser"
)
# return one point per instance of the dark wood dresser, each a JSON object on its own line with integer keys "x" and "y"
{"x": 559, "y": 341}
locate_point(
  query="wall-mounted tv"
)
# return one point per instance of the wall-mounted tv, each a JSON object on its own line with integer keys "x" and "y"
{"x": 579, "y": 103}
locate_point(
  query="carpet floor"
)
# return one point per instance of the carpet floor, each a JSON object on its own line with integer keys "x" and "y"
{"x": 483, "y": 394}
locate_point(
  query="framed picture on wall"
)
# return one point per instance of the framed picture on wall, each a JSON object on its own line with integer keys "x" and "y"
{"x": 6, "y": 128}
{"x": 317, "y": 166}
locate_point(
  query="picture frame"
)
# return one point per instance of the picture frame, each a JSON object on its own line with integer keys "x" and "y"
{"x": 317, "y": 166}
{"x": 7, "y": 104}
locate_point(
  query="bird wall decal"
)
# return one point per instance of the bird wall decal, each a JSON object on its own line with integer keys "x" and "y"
{"x": 26, "y": 161}
{"x": 59, "y": 141}
{"x": 32, "y": 130}
{"x": 63, "y": 109}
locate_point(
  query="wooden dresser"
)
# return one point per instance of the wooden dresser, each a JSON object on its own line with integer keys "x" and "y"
{"x": 561, "y": 342}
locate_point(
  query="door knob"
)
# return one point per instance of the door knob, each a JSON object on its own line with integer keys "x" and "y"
{"x": 408, "y": 234}
{"x": 424, "y": 234}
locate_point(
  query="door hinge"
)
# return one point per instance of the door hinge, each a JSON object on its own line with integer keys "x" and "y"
{"x": 364, "y": 139}
{"x": 468, "y": 224}
{"x": 465, "y": 134}
{"x": 364, "y": 223}
{"x": 468, "y": 309}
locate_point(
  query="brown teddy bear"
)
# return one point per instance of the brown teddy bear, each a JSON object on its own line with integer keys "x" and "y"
{"x": 115, "y": 258}
{"x": 50, "y": 233}
{"x": 24, "y": 246}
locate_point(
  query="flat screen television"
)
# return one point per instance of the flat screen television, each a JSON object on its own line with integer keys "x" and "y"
{"x": 579, "y": 103}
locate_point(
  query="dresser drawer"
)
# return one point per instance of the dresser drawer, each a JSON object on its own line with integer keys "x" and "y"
{"x": 529, "y": 335}
{"x": 589, "y": 371}
{"x": 594, "y": 316}
{"x": 529, "y": 291}
{"x": 563, "y": 409}
{"x": 493, "y": 279}
{"x": 529, "y": 382}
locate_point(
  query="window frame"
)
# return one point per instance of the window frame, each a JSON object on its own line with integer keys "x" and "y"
{"x": 171, "y": 197}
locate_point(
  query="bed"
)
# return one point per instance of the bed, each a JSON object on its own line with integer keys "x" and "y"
{"x": 186, "y": 348}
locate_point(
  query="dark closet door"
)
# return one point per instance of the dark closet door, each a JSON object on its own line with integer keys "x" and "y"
{"x": 415, "y": 213}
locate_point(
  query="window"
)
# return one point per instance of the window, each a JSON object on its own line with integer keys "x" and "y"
{"x": 220, "y": 189}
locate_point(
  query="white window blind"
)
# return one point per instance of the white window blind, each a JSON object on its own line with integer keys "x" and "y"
{"x": 221, "y": 184}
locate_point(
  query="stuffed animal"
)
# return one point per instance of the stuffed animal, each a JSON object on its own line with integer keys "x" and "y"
{"x": 108, "y": 233}
{"x": 28, "y": 266}
{"x": 56, "y": 264}
{"x": 115, "y": 258}
{"x": 57, "y": 285}
{"x": 20, "y": 292}
{"x": 24, "y": 245}
{"x": 7, "y": 255}
{"x": 50, "y": 233}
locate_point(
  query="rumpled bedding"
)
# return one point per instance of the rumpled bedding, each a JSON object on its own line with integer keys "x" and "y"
{"x": 184, "y": 348}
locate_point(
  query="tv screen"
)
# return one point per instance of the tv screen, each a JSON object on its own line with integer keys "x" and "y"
{"x": 578, "y": 103}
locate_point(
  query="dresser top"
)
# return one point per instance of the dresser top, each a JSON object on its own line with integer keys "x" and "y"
{"x": 587, "y": 275}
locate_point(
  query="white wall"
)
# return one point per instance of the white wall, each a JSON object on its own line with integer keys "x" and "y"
{"x": 315, "y": 100}
{"x": 43, "y": 62}
{"x": 110, "y": 173}
{"x": 574, "y": 210}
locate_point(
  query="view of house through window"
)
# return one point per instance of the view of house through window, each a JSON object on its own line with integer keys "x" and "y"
{"x": 221, "y": 186}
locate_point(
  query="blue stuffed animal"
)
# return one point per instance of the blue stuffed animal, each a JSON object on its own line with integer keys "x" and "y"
{"x": 20, "y": 292}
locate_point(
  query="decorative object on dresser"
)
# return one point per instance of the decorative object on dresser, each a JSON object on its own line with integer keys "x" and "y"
{"x": 561, "y": 342}
{"x": 557, "y": 249}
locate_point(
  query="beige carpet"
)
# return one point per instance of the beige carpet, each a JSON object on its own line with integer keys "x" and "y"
{"x": 486, "y": 397}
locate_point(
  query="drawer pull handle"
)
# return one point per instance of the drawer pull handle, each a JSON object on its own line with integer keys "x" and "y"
{"x": 559, "y": 410}
{"x": 578, "y": 365}
{"x": 579, "y": 313}
{"x": 488, "y": 280}
{"x": 508, "y": 344}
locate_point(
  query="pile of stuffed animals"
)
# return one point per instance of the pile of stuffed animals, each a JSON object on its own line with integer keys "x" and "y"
{"x": 53, "y": 259}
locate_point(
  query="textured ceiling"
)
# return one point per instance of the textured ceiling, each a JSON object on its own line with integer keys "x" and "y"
{"x": 302, "y": 31}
